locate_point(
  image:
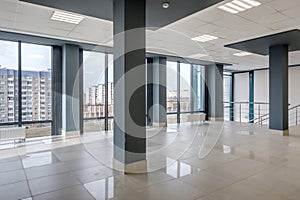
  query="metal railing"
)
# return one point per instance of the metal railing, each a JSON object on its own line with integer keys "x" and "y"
{"x": 245, "y": 111}
{"x": 256, "y": 112}
{"x": 294, "y": 115}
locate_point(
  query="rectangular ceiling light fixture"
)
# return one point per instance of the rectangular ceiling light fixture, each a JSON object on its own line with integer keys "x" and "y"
{"x": 243, "y": 53}
{"x": 66, "y": 17}
{"x": 204, "y": 38}
{"x": 237, "y": 6}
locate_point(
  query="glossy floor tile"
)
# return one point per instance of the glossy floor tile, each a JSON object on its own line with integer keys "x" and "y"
{"x": 207, "y": 161}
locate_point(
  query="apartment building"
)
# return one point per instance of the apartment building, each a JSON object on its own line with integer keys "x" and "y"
{"x": 36, "y": 95}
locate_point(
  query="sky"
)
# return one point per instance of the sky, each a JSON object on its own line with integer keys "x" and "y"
{"x": 38, "y": 58}
{"x": 34, "y": 57}
{"x": 94, "y": 69}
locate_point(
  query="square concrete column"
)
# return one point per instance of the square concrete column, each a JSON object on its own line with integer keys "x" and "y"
{"x": 129, "y": 85}
{"x": 56, "y": 90}
{"x": 72, "y": 90}
{"x": 214, "y": 92}
{"x": 149, "y": 90}
{"x": 159, "y": 109}
{"x": 279, "y": 88}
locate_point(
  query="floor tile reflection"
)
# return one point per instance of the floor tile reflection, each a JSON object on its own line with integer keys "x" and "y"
{"x": 247, "y": 162}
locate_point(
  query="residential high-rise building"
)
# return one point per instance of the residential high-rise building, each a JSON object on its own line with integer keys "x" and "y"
{"x": 94, "y": 101}
{"x": 36, "y": 95}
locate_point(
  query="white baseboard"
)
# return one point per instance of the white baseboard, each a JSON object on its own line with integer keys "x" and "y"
{"x": 131, "y": 168}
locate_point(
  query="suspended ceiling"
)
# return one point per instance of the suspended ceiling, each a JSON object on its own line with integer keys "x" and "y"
{"x": 271, "y": 17}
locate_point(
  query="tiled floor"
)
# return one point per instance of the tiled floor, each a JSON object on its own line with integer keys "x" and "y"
{"x": 246, "y": 162}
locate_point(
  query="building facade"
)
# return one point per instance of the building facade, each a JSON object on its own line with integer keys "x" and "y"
{"x": 35, "y": 94}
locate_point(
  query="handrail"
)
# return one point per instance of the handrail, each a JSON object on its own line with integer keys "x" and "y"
{"x": 292, "y": 108}
{"x": 244, "y": 102}
{"x": 257, "y": 111}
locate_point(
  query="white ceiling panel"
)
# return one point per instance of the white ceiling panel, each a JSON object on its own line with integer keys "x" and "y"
{"x": 271, "y": 17}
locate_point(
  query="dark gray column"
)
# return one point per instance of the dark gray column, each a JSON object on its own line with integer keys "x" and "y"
{"x": 129, "y": 82}
{"x": 149, "y": 90}
{"x": 279, "y": 88}
{"x": 214, "y": 85}
{"x": 159, "y": 92}
{"x": 71, "y": 90}
{"x": 56, "y": 90}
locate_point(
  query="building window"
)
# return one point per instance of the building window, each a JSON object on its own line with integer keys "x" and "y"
{"x": 94, "y": 90}
{"x": 171, "y": 87}
{"x": 8, "y": 70}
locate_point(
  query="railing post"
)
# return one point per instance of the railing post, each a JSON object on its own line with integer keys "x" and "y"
{"x": 296, "y": 116}
{"x": 240, "y": 112}
{"x": 259, "y": 120}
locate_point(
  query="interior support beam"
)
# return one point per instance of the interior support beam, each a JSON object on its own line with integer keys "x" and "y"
{"x": 72, "y": 90}
{"x": 279, "y": 88}
{"x": 129, "y": 85}
{"x": 56, "y": 90}
{"x": 214, "y": 92}
{"x": 159, "y": 92}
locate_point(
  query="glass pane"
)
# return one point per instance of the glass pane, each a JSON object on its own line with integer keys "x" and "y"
{"x": 94, "y": 89}
{"x": 171, "y": 87}
{"x": 36, "y": 88}
{"x": 8, "y": 81}
{"x": 94, "y": 84}
{"x": 185, "y": 87}
{"x": 198, "y": 93}
{"x": 226, "y": 96}
{"x": 93, "y": 125}
{"x": 38, "y": 130}
{"x": 110, "y": 85}
{"x": 36, "y": 82}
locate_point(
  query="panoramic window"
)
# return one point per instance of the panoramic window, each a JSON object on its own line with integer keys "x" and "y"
{"x": 36, "y": 89}
{"x": 226, "y": 97}
{"x": 8, "y": 82}
{"x": 93, "y": 91}
{"x": 110, "y": 85}
{"x": 198, "y": 88}
{"x": 185, "y": 87}
{"x": 171, "y": 87}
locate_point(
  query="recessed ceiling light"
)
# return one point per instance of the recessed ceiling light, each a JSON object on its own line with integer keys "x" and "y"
{"x": 204, "y": 38}
{"x": 243, "y": 53}
{"x": 165, "y": 5}
{"x": 237, "y": 6}
{"x": 252, "y": 2}
{"x": 66, "y": 17}
{"x": 241, "y": 4}
{"x": 198, "y": 55}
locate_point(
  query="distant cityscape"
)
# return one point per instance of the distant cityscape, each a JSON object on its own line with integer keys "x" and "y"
{"x": 94, "y": 101}
{"x": 36, "y": 95}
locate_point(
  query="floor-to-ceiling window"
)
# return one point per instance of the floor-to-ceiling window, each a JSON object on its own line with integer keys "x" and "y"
{"x": 198, "y": 88}
{"x": 110, "y": 91}
{"x": 98, "y": 91}
{"x": 171, "y": 87}
{"x": 25, "y": 86}
{"x": 185, "y": 90}
{"x": 8, "y": 83}
{"x": 93, "y": 91}
{"x": 36, "y": 90}
{"x": 185, "y": 87}
{"x": 228, "y": 108}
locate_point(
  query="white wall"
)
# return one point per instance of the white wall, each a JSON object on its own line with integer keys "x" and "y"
{"x": 241, "y": 94}
{"x": 261, "y": 89}
{"x": 261, "y": 93}
{"x": 261, "y": 86}
{"x": 294, "y": 86}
